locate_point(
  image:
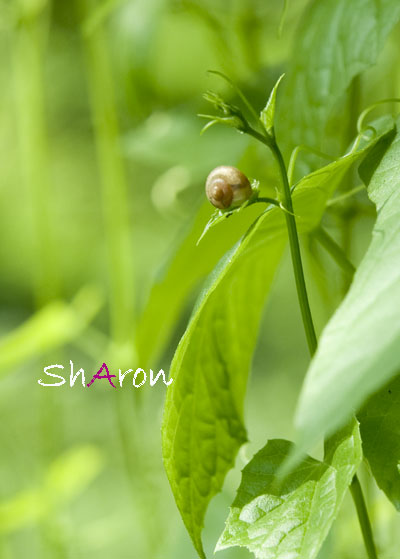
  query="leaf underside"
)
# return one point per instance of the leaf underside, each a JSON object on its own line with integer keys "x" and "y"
{"x": 359, "y": 350}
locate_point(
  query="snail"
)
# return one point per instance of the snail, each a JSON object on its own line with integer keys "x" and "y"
{"x": 227, "y": 187}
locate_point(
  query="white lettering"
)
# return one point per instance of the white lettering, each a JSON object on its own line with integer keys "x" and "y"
{"x": 123, "y": 375}
{"x": 52, "y": 375}
{"x": 161, "y": 372}
{"x": 137, "y": 372}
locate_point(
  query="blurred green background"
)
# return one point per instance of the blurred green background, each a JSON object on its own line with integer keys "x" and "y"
{"x": 101, "y": 200}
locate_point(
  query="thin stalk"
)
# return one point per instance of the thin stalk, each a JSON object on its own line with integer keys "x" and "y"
{"x": 294, "y": 244}
{"x": 265, "y": 200}
{"x": 28, "y": 63}
{"x": 363, "y": 518}
{"x": 338, "y": 255}
{"x": 295, "y": 154}
{"x": 115, "y": 200}
{"x": 28, "y": 51}
{"x": 296, "y": 255}
{"x": 115, "y": 206}
{"x": 346, "y": 195}
{"x": 356, "y": 489}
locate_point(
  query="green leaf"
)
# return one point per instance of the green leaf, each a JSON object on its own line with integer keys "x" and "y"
{"x": 55, "y": 325}
{"x": 336, "y": 41}
{"x": 291, "y": 519}
{"x": 187, "y": 265}
{"x": 380, "y": 433}
{"x": 267, "y": 116}
{"x": 359, "y": 350}
{"x": 203, "y": 426}
{"x": 221, "y": 215}
{"x": 66, "y": 478}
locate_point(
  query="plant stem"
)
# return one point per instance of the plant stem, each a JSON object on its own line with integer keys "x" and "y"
{"x": 115, "y": 199}
{"x": 363, "y": 517}
{"x": 29, "y": 40}
{"x": 296, "y": 255}
{"x": 356, "y": 489}
{"x": 293, "y": 241}
{"x": 345, "y": 196}
{"x": 335, "y": 251}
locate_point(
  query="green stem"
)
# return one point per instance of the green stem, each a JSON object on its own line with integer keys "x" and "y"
{"x": 295, "y": 153}
{"x": 307, "y": 317}
{"x": 345, "y": 196}
{"x": 117, "y": 223}
{"x": 363, "y": 517}
{"x": 115, "y": 199}
{"x": 335, "y": 251}
{"x": 296, "y": 255}
{"x": 294, "y": 243}
{"x": 265, "y": 200}
{"x": 28, "y": 50}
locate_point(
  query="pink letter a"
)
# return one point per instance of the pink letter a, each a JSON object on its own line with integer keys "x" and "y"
{"x": 98, "y": 376}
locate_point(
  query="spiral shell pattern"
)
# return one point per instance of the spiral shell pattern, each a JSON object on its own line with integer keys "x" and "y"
{"x": 227, "y": 187}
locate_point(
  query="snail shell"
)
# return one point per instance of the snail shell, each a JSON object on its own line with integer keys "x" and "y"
{"x": 226, "y": 186}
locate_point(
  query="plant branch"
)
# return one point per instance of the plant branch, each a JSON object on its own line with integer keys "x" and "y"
{"x": 295, "y": 153}
{"x": 114, "y": 187}
{"x": 363, "y": 517}
{"x": 294, "y": 242}
{"x": 28, "y": 63}
{"x": 346, "y": 195}
{"x": 356, "y": 489}
{"x": 338, "y": 255}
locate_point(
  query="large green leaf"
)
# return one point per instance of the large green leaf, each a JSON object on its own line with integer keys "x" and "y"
{"x": 336, "y": 41}
{"x": 359, "y": 350}
{"x": 380, "y": 432}
{"x": 181, "y": 274}
{"x": 202, "y": 427}
{"x": 291, "y": 519}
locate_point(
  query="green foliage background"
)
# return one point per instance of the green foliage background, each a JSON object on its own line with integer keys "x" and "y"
{"x": 101, "y": 203}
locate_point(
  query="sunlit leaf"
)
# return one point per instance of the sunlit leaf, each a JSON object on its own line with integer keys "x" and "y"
{"x": 267, "y": 116}
{"x": 292, "y": 519}
{"x": 359, "y": 350}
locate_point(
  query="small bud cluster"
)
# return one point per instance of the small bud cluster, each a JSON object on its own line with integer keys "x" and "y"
{"x": 229, "y": 114}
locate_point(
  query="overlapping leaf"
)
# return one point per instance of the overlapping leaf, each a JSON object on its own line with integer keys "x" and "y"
{"x": 291, "y": 519}
{"x": 380, "y": 432}
{"x": 359, "y": 350}
{"x": 336, "y": 41}
{"x": 183, "y": 272}
{"x": 202, "y": 428}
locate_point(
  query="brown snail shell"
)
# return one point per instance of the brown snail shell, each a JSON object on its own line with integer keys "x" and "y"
{"x": 227, "y": 187}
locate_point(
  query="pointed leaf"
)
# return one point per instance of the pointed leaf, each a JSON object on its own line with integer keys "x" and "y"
{"x": 267, "y": 116}
{"x": 292, "y": 519}
{"x": 359, "y": 350}
{"x": 185, "y": 267}
{"x": 337, "y": 40}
